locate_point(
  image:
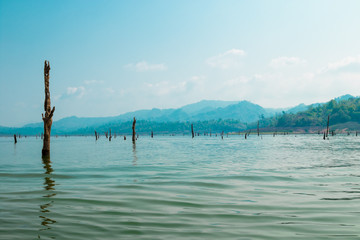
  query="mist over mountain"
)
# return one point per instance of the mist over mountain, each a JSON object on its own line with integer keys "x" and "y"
{"x": 205, "y": 112}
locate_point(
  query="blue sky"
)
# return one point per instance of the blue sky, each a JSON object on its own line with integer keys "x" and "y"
{"x": 111, "y": 57}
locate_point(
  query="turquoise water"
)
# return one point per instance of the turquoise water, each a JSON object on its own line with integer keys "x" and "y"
{"x": 282, "y": 187}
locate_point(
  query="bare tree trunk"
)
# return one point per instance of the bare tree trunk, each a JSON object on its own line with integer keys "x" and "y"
{"x": 96, "y": 135}
{"x": 192, "y": 131}
{"x": 327, "y": 127}
{"x": 133, "y": 129}
{"x": 48, "y": 112}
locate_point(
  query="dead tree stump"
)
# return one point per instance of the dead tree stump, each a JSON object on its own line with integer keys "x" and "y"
{"x": 47, "y": 118}
{"x": 327, "y": 126}
{"x": 133, "y": 130}
{"x": 15, "y": 140}
{"x": 192, "y": 130}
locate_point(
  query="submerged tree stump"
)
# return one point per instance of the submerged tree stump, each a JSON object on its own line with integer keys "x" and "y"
{"x": 96, "y": 136}
{"x": 47, "y": 118}
{"x": 192, "y": 130}
{"x": 15, "y": 140}
{"x": 327, "y": 126}
{"x": 133, "y": 130}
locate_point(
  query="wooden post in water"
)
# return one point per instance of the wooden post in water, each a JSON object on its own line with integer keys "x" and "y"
{"x": 258, "y": 130}
{"x": 324, "y": 135}
{"x": 110, "y": 135}
{"x": 133, "y": 130}
{"x": 15, "y": 140}
{"x": 96, "y": 136}
{"x": 192, "y": 130}
{"x": 47, "y": 118}
{"x": 152, "y": 134}
{"x": 327, "y": 126}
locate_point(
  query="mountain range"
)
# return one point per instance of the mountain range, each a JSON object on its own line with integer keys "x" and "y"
{"x": 207, "y": 110}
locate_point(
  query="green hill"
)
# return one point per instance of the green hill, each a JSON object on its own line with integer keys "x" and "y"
{"x": 340, "y": 112}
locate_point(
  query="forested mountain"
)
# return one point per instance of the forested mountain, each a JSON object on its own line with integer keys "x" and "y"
{"x": 216, "y": 116}
{"x": 340, "y": 111}
{"x": 206, "y": 111}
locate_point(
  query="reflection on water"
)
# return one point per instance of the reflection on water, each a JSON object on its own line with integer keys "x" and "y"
{"x": 134, "y": 154}
{"x": 49, "y": 186}
{"x": 14, "y": 149}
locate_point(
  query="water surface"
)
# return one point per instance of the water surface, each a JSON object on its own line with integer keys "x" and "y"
{"x": 181, "y": 188}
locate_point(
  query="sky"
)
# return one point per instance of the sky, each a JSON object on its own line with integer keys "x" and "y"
{"x": 111, "y": 57}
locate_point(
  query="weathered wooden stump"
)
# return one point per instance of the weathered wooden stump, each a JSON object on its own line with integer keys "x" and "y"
{"x": 192, "y": 130}
{"x": 47, "y": 118}
{"x": 133, "y": 130}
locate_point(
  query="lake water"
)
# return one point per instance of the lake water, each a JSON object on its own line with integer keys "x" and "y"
{"x": 283, "y": 187}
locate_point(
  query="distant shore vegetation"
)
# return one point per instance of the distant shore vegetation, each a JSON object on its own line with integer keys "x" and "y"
{"x": 344, "y": 116}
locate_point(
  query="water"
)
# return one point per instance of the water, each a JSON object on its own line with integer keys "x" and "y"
{"x": 282, "y": 187}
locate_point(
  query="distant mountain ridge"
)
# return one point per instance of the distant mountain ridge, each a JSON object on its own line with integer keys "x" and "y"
{"x": 342, "y": 111}
{"x": 205, "y": 110}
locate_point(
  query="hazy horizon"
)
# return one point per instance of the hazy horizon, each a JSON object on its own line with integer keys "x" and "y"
{"x": 113, "y": 57}
{"x": 103, "y": 116}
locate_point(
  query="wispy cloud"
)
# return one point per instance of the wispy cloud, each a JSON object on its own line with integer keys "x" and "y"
{"x": 226, "y": 60}
{"x": 286, "y": 62}
{"x": 75, "y": 91}
{"x": 144, "y": 66}
{"x": 349, "y": 64}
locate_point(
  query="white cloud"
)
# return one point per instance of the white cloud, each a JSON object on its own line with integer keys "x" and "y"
{"x": 226, "y": 60}
{"x": 76, "y": 91}
{"x": 144, "y": 66}
{"x": 348, "y": 64}
{"x": 286, "y": 61}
